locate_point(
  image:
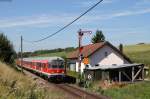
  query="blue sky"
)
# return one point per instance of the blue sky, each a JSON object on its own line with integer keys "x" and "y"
{"x": 122, "y": 21}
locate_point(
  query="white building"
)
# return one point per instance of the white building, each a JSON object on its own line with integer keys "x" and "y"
{"x": 99, "y": 54}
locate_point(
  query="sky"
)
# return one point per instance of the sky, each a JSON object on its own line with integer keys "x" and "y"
{"x": 122, "y": 21}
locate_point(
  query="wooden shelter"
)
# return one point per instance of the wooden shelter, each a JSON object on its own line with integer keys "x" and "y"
{"x": 119, "y": 73}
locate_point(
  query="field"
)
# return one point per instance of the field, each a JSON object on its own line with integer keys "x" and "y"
{"x": 15, "y": 85}
{"x": 61, "y": 54}
{"x": 140, "y": 90}
{"x": 138, "y": 53}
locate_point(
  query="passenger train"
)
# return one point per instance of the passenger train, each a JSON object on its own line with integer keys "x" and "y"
{"x": 51, "y": 68}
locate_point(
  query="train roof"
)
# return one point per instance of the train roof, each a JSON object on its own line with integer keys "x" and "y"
{"x": 49, "y": 59}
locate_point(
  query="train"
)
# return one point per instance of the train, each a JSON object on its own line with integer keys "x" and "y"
{"x": 51, "y": 68}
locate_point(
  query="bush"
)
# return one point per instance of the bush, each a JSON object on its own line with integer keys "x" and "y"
{"x": 7, "y": 53}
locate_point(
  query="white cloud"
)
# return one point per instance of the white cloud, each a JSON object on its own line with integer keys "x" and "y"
{"x": 62, "y": 19}
{"x": 40, "y": 20}
{"x": 117, "y": 14}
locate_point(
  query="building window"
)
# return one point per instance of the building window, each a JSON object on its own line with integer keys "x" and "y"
{"x": 106, "y": 54}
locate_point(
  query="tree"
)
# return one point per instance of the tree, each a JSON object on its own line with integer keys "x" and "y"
{"x": 98, "y": 37}
{"x": 7, "y": 52}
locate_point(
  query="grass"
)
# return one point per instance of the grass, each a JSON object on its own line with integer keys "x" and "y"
{"x": 138, "y": 53}
{"x": 15, "y": 85}
{"x": 139, "y": 90}
{"x": 72, "y": 73}
{"x": 61, "y": 54}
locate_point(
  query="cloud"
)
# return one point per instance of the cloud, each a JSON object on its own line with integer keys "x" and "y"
{"x": 40, "y": 20}
{"x": 117, "y": 14}
{"x": 63, "y": 19}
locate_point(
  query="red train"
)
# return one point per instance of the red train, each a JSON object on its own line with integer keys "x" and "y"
{"x": 50, "y": 67}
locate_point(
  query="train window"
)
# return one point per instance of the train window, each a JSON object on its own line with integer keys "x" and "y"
{"x": 56, "y": 64}
{"x": 39, "y": 64}
{"x": 61, "y": 64}
{"x": 49, "y": 65}
{"x": 44, "y": 65}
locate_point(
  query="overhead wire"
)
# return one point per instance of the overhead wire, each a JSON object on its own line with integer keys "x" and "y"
{"x": 65, "y": 25}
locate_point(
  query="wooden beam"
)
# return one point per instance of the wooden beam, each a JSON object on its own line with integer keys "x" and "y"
{"x": 119, "y": 76}
{"x": 133, "y": 74}
{"x": 127, "y": 76}
{"x": 143, "y": 72}
{"x": 137, "y": 73}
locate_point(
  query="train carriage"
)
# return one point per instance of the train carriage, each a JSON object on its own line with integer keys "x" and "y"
{"x": 50, "y": 67}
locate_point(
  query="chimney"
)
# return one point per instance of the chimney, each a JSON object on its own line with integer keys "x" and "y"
{"x": 121, "y": 47}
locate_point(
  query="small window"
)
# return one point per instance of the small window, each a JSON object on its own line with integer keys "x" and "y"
{"x": 49, "y": 65}
{"x": 106, "y": 54}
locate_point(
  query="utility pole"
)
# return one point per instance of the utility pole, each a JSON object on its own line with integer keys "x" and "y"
{"x": 21, "y": 55}
{"x": 80, "y": 35}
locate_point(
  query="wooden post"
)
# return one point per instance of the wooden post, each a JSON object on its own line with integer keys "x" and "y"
{"x": 137, "y": 73}
{"x": 133, "y": 74}
{"x": 21, "y": 55}
{"x": 142, "y": 71}
{"x": 126, "y": 75}
{"x": 103, "y": 75}
{"x": 119, "y": 76}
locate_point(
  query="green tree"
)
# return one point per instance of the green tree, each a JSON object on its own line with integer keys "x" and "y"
{"x": 7, "y": 52}
{"x": 98, "y": 37}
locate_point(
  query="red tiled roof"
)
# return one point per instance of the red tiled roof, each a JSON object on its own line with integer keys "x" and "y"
{"x": 91, "y": 48}
{"x": 87, "y": 50}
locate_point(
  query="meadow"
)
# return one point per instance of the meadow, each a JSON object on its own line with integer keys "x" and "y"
{"x": 138, "y": 53}
{"x": 139, "y": 90}
{"x": 16, "y": 85}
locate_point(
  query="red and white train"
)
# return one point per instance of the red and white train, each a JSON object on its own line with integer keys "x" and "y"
{"x": 50, "y": 67}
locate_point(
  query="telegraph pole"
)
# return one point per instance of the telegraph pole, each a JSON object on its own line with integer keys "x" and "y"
{"x": 21, "y": 55}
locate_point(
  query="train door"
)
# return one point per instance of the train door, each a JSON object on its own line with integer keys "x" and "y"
{"x": 44, "y": 69}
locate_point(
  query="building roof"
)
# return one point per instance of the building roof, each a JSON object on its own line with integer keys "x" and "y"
{"x": 90, "y": 49}
{"x": 116, "y": 66}
{"x": 86, "y": 50}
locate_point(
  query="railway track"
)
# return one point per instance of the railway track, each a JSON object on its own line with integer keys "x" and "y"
{"x": 77, "y": 93}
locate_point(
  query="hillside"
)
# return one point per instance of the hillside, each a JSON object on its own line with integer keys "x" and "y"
{"x": 15, "y": 85}
{"x": 138, "y": 53}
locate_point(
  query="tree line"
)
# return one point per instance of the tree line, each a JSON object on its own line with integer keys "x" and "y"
{"x": 39, "y": 52}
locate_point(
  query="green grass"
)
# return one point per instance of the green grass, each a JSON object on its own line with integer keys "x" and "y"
{"x": 73, "y": 74}
{"x": 139, "y": 90}
{"x": 61, "y": 54}
{"x": 138, "y": 53}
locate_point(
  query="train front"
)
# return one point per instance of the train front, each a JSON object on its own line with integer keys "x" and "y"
{"x": 56, "y": 69}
